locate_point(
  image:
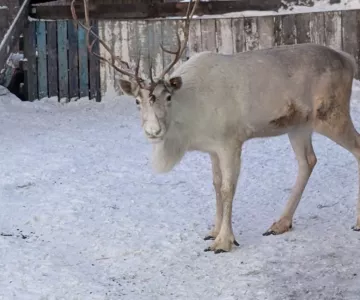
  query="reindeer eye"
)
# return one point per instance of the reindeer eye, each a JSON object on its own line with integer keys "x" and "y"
{"x": 168, "y": 98}
{"x": 137, "y": 101}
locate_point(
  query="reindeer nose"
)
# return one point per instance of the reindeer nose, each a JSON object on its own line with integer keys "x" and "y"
{"x": 153, "y": 131}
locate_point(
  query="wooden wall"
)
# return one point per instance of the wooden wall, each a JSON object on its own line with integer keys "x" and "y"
{"x": 338, "y": 29}
{"x": 58, "y": 63}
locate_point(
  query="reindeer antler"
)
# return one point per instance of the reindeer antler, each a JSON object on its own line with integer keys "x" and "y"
{"x": 88, "y": 28}
{"x": 135, "y": 75}
{"x": 180, "y": 48}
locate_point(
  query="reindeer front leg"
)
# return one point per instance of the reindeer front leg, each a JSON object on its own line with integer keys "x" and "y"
{"x": 229, "y": 162}
{"x": 217, "y": 178}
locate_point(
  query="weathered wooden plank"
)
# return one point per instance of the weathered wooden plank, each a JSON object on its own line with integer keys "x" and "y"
{"x": 12, "y": 35}
{"x": 317, "y": 30}
{"x": 118, "y": 11}
{"x": 277, "y": 30}
{"x": 266, "y": 32}
{"x": 124, "y": 40}
{"x": 180, "y": 25}
{"x": 169, "y": 28}
{"x": 63, "y": 60}
{"x": 94, "y": 68}
{"x": 41, "y": 62}
{"x": 143, "y": 46}
{"x": 116, "y": 45}
{"x": 238, "y": 35}
{"x": 83, "y": 63}
{"x": 288, "y": 30}
{"x": 302, "y": 22}
{"x": 133, "y": 44}
{"x": 251, "y": 34}
{"x": 208, "y": 36}
{"x": 195, "y": 37}
{"x": 30, "y": 80}
{"x": 350, "y": 34}
{"x": 333, "y": 29}
{"x": 52, "y": 59}
{"x": 155, "y": 53}
{"x": 224, "y": 36}
{"x": 4, "y": 21}
{"x": 73, "y": 61}
{"x": 106, "y": 72}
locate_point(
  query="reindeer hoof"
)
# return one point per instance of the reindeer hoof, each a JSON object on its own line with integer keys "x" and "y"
{"x": 218, "y": 251}
{"x": 222, "y": 244}
{"x": 270, "y": 232}
{"x": 279, "y": 227}
{"x": 209, "y": 237}
{"x": 356, "y": 228}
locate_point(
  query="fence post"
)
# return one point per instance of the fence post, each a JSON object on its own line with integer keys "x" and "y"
{"x": 30, "y": 80}
{"x": 4, "y": 21}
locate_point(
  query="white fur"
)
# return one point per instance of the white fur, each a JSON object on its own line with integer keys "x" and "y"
{"x": 225, "y": 100}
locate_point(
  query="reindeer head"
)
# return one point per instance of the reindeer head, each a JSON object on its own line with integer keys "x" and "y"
{"x": 153, "y": 98}
{"x": 154, "y": 105}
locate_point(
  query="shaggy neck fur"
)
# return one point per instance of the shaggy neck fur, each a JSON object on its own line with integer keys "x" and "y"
{"x": 167, "y": 154}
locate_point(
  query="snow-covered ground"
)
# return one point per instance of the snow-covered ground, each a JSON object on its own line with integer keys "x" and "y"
{"x": 82, "y": 215}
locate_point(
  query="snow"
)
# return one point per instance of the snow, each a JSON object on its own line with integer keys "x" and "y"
{"x": 83, "y": 216}
{"x": 319, "y": 6}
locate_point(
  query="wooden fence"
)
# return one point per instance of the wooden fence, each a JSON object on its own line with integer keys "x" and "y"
{"x": 85, "y": 76}
{"x": 58, "y": 63}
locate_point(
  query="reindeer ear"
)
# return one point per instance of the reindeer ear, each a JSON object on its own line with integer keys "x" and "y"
{"x": 175, "y": 82}
{"x": 128, "y": 87}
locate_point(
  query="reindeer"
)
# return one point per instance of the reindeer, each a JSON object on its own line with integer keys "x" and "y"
{"x": 214, "y": 103}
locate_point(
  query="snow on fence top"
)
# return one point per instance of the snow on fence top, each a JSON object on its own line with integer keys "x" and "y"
{"x": 209, "y": 9}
